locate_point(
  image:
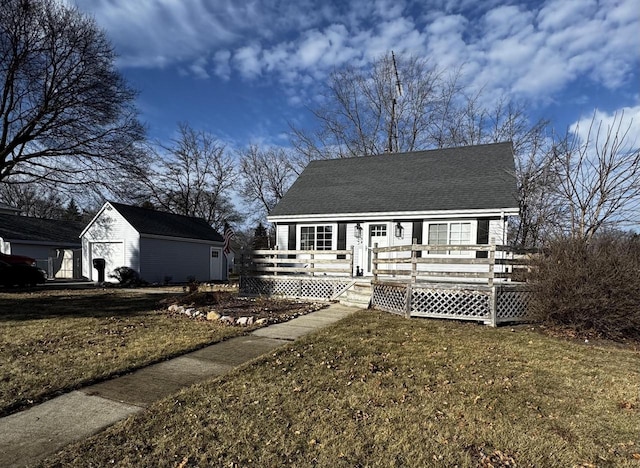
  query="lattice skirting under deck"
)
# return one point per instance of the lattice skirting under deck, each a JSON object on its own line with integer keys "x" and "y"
{"x": 390, "y": 298}
{"x": 309, "y": 288}
{"x": 454, "y": 302}
{"x": 460, "y": 304}
{"x": 512, "y": 304}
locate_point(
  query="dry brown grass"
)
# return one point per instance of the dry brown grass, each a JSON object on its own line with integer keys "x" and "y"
{"x": 55, "y": 341}
{"x": 380, "y": 390}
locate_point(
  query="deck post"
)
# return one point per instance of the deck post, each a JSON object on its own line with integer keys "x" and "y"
{"x": 312, "y": 265}
{"x": 273, "y": 257}
{"x": 414, "y": 261}
{"x": 492, "y": 263}
{"x": 493, "y": 306}
{"x": 352, "y": 261}
{"x": 374, "y": 262}
{"x": 412, "y": 281}
{"x": 493, "y": 298}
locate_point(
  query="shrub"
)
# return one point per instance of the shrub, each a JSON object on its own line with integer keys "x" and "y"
{"x": 593, "y": 286}
{"x": 127, "y": 277}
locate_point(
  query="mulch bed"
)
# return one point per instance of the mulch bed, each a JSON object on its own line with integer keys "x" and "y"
{"x": 229, "y": 304}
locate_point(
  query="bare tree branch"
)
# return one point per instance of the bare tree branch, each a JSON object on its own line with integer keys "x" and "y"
{"x": 266, "y": 176}
{"x": 192, "y": 176}
{"x": 600, "y": 177}
{"x": 65, "y": 112}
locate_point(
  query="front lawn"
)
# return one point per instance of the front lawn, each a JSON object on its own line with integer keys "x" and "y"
{"x": 380, "y": 390}
{"x": 54, "y": 341}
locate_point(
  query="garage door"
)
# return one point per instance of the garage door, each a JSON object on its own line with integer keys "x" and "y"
{"x": 113, "y": 254}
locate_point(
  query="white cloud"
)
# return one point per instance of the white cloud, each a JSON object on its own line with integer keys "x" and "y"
{"x": 247, "y": 60}
{"x": 532, "y": 51}
{"x": 199, "y": 68}
{"x": 504, "y": 22}
{"x": 221, "y": 65}
{"x": 560, "y": 14}
{"x": 312, "y": 48}
{"x": 161, "y": 32}
{"x": 626, "y": 120}
{"x": 536, "y": 54}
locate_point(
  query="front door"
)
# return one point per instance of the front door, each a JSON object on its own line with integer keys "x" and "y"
{"x": 378, "y": 234}
{"x": 215, "y": 264}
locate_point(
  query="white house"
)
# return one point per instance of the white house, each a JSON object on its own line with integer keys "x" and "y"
{"x": 161, "y": 247}
{"x": 446, "y": 196}
{"x": 53, "y": 243}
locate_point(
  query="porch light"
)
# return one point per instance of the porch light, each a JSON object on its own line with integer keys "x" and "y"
{"x": 357, "y": 231}
{"x": 399, "y": 230}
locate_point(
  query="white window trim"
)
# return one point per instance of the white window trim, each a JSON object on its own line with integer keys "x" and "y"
{"x": 334, "y": 234}
{"x": 473, "y": 235}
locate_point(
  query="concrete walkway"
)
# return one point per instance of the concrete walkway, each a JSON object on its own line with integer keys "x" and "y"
{"x": 31, "y": 435}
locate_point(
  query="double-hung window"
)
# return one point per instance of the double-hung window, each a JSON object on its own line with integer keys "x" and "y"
{"x": 449, "y": 233}
{"x": 316, "y": 237}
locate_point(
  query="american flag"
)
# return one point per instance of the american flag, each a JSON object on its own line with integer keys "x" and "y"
{"x": 228, "y": 235}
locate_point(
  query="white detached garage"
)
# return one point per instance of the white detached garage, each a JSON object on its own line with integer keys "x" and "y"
{"x": 160, "y": 246}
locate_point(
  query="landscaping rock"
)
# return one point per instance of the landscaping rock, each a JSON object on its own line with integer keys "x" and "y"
{"x": 227, "y": 307}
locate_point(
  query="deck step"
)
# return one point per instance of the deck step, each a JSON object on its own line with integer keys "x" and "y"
{"x": 358, "y": 295}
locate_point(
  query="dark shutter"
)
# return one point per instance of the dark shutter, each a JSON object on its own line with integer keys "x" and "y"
{"x": 342, "y": 238}
{"x": 483, "y": 236}
{"x": 291, "y": 245}
{"x": 416, "y": 233}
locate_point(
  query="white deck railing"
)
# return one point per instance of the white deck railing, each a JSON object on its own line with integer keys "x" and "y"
{"x": 300, "y": 262}
{"x": 450, "y": 263}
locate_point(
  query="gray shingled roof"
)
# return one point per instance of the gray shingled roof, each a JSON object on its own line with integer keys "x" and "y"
{"x": 23, "y": 228}
{"x": 153, "y": 222}
{"x": 473, "y": 177}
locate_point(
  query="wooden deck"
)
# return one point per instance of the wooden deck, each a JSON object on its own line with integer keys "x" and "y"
{"x": 412, "y": 280}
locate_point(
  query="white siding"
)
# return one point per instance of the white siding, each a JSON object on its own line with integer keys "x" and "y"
{"x": 109, "y": 226}
{"x": 161, "y": 258}
{"x": 497, "y": 231}
{"x": 113, "y": 255}
{"x": 282, "y": 237}
{"x": 360, "y": 246}
{"x": 357, "y": 246}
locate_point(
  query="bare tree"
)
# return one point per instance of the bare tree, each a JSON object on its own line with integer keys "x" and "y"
{"x": 536, "y": 173}
{"x": 387, "y": 108}
{"x": 192, "y": 176}
{"x": 599, "y": 178}
{"x": 66, "y": 114}
{"x": 33, "y": 200}
{"x": 266, "y": 176}
{"x": 407, "y": 104}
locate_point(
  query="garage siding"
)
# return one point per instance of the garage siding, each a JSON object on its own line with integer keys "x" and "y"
{"x": 110, "y": 226}
{"x": 162, "y": 259}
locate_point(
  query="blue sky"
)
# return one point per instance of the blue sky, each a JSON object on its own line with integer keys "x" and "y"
{"x": 243, "y": 69}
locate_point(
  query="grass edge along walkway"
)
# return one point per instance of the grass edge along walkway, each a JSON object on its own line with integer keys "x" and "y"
{"x": 380, "y": 390}
{"x": 31, "y": 435}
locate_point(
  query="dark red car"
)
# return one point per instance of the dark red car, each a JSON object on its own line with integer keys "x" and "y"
{"x": 20, "y": 274}
{"x": 17, "y": 260}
